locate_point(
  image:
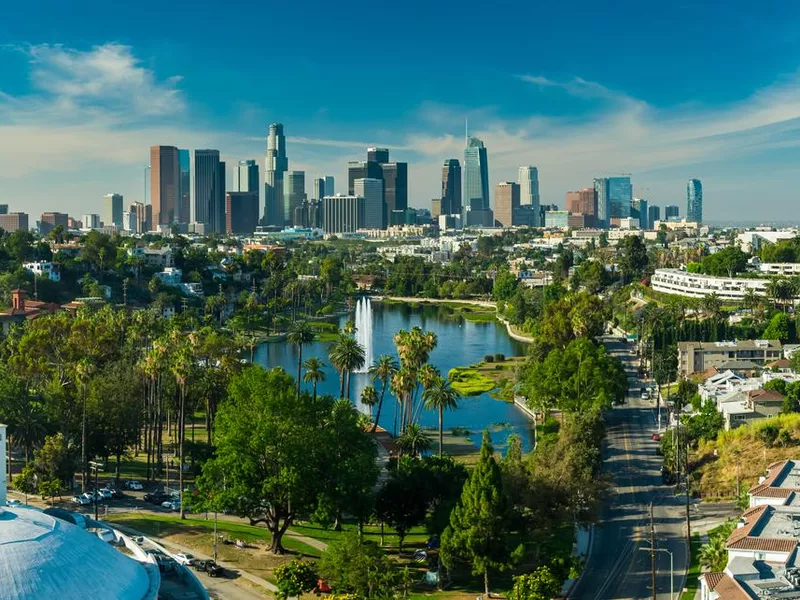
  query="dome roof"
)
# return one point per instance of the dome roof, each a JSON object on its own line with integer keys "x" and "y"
{"x": 44, "y": 557}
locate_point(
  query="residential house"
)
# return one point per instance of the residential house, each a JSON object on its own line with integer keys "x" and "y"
{"x": 696, "y": 357}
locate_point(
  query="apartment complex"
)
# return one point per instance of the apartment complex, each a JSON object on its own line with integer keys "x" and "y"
{"x": 696, "y": 357}
{"x": 694, "y": 285}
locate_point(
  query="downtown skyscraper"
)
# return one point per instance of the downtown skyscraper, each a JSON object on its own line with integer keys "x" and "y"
{"x": 694, "y": 201}
{"x": 246, "y": 176}
{"x": 528, "y": 179}
{"x": 209, "y": 191}
{"x": 183, "y": 212}
{"x": 294, "y": 193}
{"x": 451, "y": 187}
{"x": 164, "y": 185}
{"x": 476, "y": 176}
{"x": 614, "y": 195}
{"x": 276, "y": 165}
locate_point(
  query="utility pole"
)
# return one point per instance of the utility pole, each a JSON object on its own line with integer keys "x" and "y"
{"x": 688, "y": 522}
{"x": 653, "y": 550}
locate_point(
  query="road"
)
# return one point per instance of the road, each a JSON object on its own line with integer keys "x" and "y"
{"x": 616, "y": 566}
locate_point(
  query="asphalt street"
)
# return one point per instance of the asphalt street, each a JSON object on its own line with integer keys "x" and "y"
{"x": 617, "y": 567}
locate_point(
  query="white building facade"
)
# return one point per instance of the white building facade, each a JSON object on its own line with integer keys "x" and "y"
{"x": 694, "y": 285}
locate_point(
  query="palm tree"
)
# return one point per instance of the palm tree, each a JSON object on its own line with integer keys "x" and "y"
{"x": 780, "y": 290}
{"x": 299, "y": 333}
{"x": 402, "y": 386}
{"x": 83, "y": 371}
{"x": 382, "y": 370}
{"x": 314, "y": 372}
{"x": 413, "y": 441}
{"x": 369, "y": 397}
{"x": 181, "y": 366}
{"x": 712, "y": 305}
{"x": 713, "y": 555}
{"x": 750, "y": 300}
{"x": 347, "y": 355}
{"x": 440, "y": 396}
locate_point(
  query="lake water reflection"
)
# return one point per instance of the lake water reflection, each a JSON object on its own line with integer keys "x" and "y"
{"x": 460, "y": 343}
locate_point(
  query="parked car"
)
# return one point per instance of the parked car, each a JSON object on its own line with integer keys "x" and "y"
{"x": 185, "y": 559}
{"x": 105, "y": 494}
{"x": 82, "y": 500}
{"x": 13, "y": 503}
{"x": 645, "y": 395}
{"x": 171, "y": 504}
{"x": 214, "y": 570}
{"x": 133, "y": 485}
{"x": 117, "y": 494}
{"x": 156, "y": 497}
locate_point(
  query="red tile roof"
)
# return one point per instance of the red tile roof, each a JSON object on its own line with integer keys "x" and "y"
{"x": 764, "y": 544}
{"x": 712, "y": 579}
{"x": 730, "y": 589}
{"x": 773, "y": 471}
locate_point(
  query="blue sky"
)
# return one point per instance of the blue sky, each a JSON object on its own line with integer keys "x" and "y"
{"x": 579, "y": 89}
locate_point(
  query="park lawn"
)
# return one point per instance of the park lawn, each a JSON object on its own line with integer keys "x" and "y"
{"x": 415, "y": 538}
{"x": 693, "y": 574}
{"x": 197, "y": 534}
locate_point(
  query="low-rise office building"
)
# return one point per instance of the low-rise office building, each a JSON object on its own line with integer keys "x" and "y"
{"x": 696, "y": 357}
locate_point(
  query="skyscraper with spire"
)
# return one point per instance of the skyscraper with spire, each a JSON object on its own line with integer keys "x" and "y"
{"x": 476, "y": 175}
{"x": 276, "y": 164}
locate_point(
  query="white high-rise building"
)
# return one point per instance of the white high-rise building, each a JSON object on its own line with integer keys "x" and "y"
{"x": 91, "y": 221}
{"x": 371, "y": 190}
{"x": 112, "y": 210}
{"x": 529, "y": 187}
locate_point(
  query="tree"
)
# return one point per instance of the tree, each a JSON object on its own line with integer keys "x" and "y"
{"x": 633, "y": 258}
{"x": 505, "y": 284}
{"x": 779, "y": 328}
{"x": 541, "y": 584}
{"x": 352, "y": 566}
{"x": 299, "y": 334}
{"x": 314, "y": 373}
{"x": 369, "y": 397}
{"x": 780, "y": 290}
{"x": 413, "y": 441}
{"x": 274, "y": 450}
{"x": 479, "y": 524}
{"x": 346, "y": 355}
{"x": 294, "y": 579}
{"x": 440, "y": 396}
{"x": 402, "y": 502}
{"x": 382, "y": 370}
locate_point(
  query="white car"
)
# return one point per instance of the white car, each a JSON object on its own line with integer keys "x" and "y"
{"x": 82, "y": 500}
{"x": 12, "y": 503}
{"x": 134, "y": 485}
{"x": 106, "y": 494}
{"x": 645, "y": 395}
{"x": 171, "y": 504}
{"x": 185, "y": 559}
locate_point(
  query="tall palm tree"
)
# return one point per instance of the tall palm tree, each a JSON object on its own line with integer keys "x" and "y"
{"x": 780, "y": 290}
{"x": 440, "y": 396}
{"x": 413, "y": 441}
{"x": 347, "y": 355}
{"x": 382, "y": 370}
{"x": 299, "y": 334}
{"x": 83, "y": 371}
{"x": 314, "y": 372}
{"x": 181, "y": 367}
{"x": 402, "y": 385}
{"x": 369, "y": 397}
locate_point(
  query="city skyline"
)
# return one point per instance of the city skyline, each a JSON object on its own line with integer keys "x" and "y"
{"x": 80, "y": 110}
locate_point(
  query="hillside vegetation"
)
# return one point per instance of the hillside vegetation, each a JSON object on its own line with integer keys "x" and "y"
{"x": 744, "y": 454}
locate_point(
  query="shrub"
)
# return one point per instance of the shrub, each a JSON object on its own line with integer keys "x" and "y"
{"x": 500, "y": 357}
{"x": 768, "y": 434}
{"x": 488, "y": 358}
{"x": 462, "y": 431}
{"x": 294, "y": 579}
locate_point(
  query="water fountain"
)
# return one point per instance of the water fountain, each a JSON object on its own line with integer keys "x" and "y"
{"x": 364, "y": 330}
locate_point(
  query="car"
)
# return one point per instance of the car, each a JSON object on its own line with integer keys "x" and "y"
{"x": 645, "y": 395}
{"x": 199, "y": 565}
{"x": 117, "y": 494}
{"x": 13, "y": 503}
{"x": 656, "y": 437}
{"x": 214, "y": 570}
{"x": 105, "y": 494}
{"x": 82, "y": 500}
{"x": 185, "y": 559}
{"x": 171, "y": 504}
{"x": 133, "y": 485}
{"x": 155, "y": 497}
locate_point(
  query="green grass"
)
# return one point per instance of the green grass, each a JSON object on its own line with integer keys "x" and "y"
{"x": 416, "y": 537}
{"x": 693, "y": 575}
{"x": 166, "y": 525}
{"x": 468, "y": 381}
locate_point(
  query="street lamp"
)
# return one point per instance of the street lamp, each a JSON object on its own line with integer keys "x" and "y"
{"x": 671, "y": 569}
{"x": 95, "y": 466}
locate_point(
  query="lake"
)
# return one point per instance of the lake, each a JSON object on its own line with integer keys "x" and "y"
{"x": 461, "y": 343}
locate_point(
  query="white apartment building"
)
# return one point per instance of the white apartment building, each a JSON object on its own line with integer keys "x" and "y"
{"x": 694, "y": 285}
{"x": 779, "y": 268}
{"x": 751, "y": 241}
{"x": 42, "y": 268}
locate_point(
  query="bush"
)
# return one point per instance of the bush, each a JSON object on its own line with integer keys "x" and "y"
{"x": 462, "y": 431}
{"x": 294, "y": 579}
{"x": 488, "y": 358}
{"x": 768, "y": 434}
{"x": 499, "y": 357}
